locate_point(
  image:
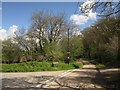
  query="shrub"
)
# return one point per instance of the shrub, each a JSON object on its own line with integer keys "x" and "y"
{"x": 37, "y": 66}
{"x": 77, "y": 65}
{"x": 64, "y": 66}
{"x": 100, "y": 65}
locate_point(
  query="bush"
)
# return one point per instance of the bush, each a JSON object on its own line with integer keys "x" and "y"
{"x": 77, "y": 65}
{"x": 64, "y": 66}
{"x": 37, "y": 66}
{"x": 100, "y": 65}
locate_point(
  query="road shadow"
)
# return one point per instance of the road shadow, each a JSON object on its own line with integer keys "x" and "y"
{"x": 92, "y": 80}
{"x": 85, "y": 79}
{"x": 24, "y": 82}
{"x": 108, "y": 79}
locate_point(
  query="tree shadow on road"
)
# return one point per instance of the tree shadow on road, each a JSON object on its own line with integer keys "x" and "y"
{"x": 85, "y": 79}
{"x": 108, "y": 79}
{"x": 92, "y": 80}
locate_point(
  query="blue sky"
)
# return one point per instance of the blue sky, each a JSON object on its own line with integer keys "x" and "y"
{"x": 19, "y": 13}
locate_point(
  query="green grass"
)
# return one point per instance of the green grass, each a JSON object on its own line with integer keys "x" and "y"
{"x": 37, "y": 66}
{"x": 100, "y": 65}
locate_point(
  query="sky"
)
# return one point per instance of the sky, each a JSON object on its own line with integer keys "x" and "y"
{"x": 18, "y": 14}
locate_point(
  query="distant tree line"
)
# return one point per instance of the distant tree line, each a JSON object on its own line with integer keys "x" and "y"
{"x": 47, "y": 40}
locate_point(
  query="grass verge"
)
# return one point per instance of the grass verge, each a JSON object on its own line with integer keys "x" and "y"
{"x": 100, "y": 65}
{"x": 37, "y": 66}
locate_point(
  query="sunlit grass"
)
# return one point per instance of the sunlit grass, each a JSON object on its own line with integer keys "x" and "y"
{"x": 38, "y": 66}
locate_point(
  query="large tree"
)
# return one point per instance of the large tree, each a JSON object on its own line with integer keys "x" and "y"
{"x": 101, "y": 41}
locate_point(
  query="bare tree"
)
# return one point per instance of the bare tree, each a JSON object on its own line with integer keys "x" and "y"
{"x": 104, "y": 9}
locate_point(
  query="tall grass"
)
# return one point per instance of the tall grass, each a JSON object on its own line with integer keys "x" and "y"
{"x": 37, "y": 66}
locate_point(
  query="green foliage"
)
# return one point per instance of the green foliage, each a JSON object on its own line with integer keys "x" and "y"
{"x": 64, "y": 46}
{"x": 100, "y": 41}
{"x": 76, "y": 46}
{"x": 100, "y": 65}
{"x": 26, "y": 67}
{"x": 47, "y": 41}
{"x": 36, "y": 66}
{"x": 63, "y": 66}
{"x": 53, "y": 52}
{"x": 11, "y": 52}
{"x": 76, "y": 65}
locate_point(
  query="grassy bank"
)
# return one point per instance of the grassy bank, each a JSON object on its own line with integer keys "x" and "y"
{"x": 100, "y": 65}
{"x": 37, "y": 66}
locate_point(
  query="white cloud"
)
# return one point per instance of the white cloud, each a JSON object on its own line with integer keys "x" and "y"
{"x": 92, "y": 15}
{"x": 79, "y": 19}
{"x": 10, "y": 33}
{"x": 83, "y": 18}
{"x": 3, "y": 34}
{"x": 12, "y": 30}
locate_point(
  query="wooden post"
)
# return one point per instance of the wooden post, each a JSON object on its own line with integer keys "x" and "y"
{"x": 68, "y": 52}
